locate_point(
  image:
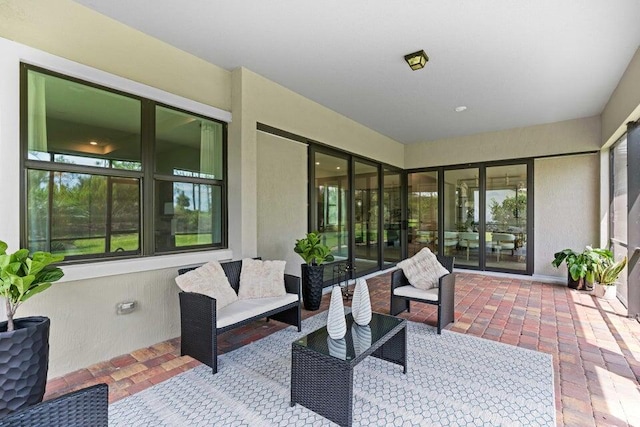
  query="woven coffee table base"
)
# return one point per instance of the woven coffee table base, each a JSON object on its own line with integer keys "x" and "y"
{"x": 324, "y": 383}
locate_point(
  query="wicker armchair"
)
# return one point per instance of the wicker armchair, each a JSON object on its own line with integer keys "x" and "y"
{"x": 198, "y": 320}
{"x": 402, "y": 293}
{"x": 85, "y": 407}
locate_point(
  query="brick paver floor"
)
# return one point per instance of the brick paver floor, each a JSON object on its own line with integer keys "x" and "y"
{"x": 595, "y": 347}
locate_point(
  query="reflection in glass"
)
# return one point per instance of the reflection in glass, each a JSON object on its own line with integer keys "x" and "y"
{"x": 187, "y": 145}
{"x": 506, "y": 217}
{"x": 392, "y": 241}
{"x": 74, "y": 123}
{"x": 332, "y": 190}
{"x": 82, "y": 214}
{"x": 461, "y": 215}
{"x": 366, "y": 217}
{"x": 423, "y": 211}
{"x": 188, "y": 215}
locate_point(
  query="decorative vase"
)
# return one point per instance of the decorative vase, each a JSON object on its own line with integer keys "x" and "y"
{"x": 312, "y": 279}
{"x": 336, "y": 322}
{"x": 361, "y": 338}
{"x": 607, "y": 292}
{"x": 24, "y": 362}
{"x": 337, "y": 348}
{"x": 361, "y": 303}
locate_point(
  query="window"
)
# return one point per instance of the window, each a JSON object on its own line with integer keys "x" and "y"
{"x": 111, "y": 174}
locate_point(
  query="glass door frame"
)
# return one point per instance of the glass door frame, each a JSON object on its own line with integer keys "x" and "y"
{"x": 312, "y": 217}
{"x": 482, "y": 166}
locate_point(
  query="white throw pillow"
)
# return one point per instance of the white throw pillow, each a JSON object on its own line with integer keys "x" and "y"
{"x": 260, "y": 279}
{"x": 423, "y": 269}
{"x": 209, "y": 280}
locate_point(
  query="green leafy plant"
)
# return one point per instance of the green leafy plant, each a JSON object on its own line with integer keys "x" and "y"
{"x": 312, "y": 250}
{"x": 23, "y": 275}
{"x": 585, "y": 265}
{"x": 608, "y": 274}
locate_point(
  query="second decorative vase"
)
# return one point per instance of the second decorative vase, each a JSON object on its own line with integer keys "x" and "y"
{"x": 361, "y": 303}
{"x": 336, "y": 322}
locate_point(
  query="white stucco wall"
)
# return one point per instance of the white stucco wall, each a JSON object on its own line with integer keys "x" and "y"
{"x": 624, "y": 103}
{"x": 282, "y": 198}
{"x": 571, "y": 136}
{"x": 566, "y": 211}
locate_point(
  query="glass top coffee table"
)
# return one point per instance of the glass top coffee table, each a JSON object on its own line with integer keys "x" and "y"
{"x": 322, "y": 368}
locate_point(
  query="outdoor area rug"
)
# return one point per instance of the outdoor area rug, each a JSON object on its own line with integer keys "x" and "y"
{"x": 452, "y": 379}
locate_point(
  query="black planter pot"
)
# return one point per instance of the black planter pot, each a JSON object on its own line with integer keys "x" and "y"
{"x": 24, "y": 362}
{"x": 575, "y": 284}
{"x": 312, "y": 278}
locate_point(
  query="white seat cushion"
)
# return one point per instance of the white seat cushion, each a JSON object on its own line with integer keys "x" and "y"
{"x": 413, "y": 292}
{"x": 244, "y": 309}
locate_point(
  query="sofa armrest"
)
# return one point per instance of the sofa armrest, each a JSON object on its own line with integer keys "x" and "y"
{"x": 85, "y": 407}
{"x": 292, "y": 285}
{"x": 198, "y": 327}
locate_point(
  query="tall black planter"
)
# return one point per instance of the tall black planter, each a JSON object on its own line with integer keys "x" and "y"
{"x": 575, "y": 284}
{"x": 312, "y": 278}
{"x": 24, "y": 362}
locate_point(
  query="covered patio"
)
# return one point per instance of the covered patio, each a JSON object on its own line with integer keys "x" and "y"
{"x": 595, "y": 347}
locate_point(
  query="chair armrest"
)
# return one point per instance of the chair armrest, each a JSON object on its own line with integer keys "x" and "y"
{"x": 197, "y": 312}
{"x": 292, "y": 285}
{"x": 85, "y": 407}
{"x": 446, "y": 287}
{"x": 398, "y": 279}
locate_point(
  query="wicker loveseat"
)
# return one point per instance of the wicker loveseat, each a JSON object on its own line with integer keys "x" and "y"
{"x": 85, "y": 407}
{"x": 200, "y": 324}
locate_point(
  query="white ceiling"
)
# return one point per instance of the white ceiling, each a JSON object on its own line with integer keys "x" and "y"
{"x": 513, "y": 63}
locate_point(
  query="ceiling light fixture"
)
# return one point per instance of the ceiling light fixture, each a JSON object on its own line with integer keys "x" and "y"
{"x": 416, "y": 60}
{"x": 460, "y": 109}
{"x": 93, "y": 143}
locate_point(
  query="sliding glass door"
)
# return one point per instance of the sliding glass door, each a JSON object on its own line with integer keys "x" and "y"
{"x": 462, "y": 225}
{"x": 392, "y": 217}
{"x": 480, "y": 215}
{"x": 422, "y": 212}
{"x": 366, "y": 217}
{"x": 331, "y": 189}
{"x": 506, "y": 217}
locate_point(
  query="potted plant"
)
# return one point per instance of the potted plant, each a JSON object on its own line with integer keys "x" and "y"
{"x": 315, "y": 254}
{"x": 582, "y": 266}
{"x": 24, "y": 342}
{"x": 606, "y": 276}
{"x": 574, "y": 271}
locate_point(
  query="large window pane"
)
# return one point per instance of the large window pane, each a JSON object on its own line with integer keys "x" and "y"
{"x": 81, "y": 214}
{"x": 84, "y": 148}
{"x": 187, "y": 145}
{"x": 423, "y": 212}
{"x": 506, "y": 217}
{"x": 392, "y": 206}
{"x": 332, "y": 196}
{"x": 366, "y": 217}
{"x": 70, "y": 122}
{"x": 462, "y": 215}
{"x": 188, "y": 215}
